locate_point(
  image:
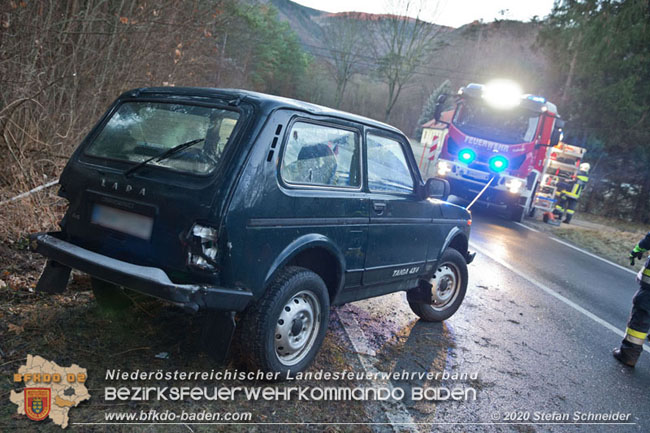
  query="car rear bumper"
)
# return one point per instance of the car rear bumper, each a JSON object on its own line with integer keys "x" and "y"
{"x": 144, "y": 279}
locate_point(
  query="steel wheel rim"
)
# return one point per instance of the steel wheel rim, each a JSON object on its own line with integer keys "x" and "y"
{"x": 445, "y": 286}
{"x": 297, "y": 328}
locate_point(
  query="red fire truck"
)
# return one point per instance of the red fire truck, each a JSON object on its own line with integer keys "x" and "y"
{"x": 501, "y": 137}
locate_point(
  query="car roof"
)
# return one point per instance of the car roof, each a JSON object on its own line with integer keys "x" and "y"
{"x": 269, "y": 102}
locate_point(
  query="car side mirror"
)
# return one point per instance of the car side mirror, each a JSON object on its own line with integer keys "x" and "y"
{"x": 440, "y": 103}
{"x": 556, "y": 136}
{"x": 557, "y": 133}
{"x": 436, "y": 187}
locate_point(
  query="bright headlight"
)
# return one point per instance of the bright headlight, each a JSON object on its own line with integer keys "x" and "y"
{"x": 443, "y": 168}
{"x": 514, "y": 185}
{"x": 502, "y": 94}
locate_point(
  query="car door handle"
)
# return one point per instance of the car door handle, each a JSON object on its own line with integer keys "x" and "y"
{"x": 379, "y": 207}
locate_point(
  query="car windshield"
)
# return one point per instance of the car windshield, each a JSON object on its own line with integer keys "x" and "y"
{"x": 138, "y": 131}
{"x": 505, "y": 126}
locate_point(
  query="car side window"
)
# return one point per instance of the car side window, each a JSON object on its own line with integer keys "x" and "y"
{"x": 316, "y": 154}
{"x": 388, "y": 170}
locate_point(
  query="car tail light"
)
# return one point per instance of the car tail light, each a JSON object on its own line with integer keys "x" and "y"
{"x": 203, "y": 250}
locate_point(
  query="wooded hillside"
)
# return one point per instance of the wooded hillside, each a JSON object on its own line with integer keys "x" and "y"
{"x": 62, "y": 63}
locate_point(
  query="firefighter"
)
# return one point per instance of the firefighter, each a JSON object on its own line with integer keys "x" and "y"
{"x": 570, "y": 193}
{"x": 639, "y": 322}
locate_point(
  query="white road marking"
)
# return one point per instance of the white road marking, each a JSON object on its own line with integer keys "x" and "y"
{"x": 356, "y": 335}
{"x": 396, "y": 412}
{"x": 526, "y": 227}
{"x": 555, "y": 294}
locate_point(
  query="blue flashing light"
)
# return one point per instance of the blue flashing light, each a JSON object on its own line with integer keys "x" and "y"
{"x": 537, "y": 98}
{"x": 498, "y": 163}
{"x": 466, "y": 156}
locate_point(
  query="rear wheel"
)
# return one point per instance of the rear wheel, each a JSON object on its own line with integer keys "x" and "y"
{"x": 110, "y": 296}
{"x": 284, "y": 330}
{"x": 448, "y": 287}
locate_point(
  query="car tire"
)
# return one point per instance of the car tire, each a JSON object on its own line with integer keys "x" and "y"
{"x": 516, "y": 213}
{"x": 452, "y": 269}
{"x": 285, "y": 329}
{"x": 110, "y": 296}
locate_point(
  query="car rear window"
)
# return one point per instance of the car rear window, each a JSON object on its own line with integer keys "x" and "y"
{"x": 139, "y": 130}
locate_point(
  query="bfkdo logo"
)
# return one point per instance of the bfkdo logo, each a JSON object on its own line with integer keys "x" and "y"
{"x": 50, "y": 390}
{"x": 37, "y": 403}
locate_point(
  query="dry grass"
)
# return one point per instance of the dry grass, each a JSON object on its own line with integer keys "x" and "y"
{"x": 69, "y": 328}
{"x": 38, "y": 212}
{"x": 608, "y": 238}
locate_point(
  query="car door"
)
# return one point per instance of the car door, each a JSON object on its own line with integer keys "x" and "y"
{"x": 401, "y": 229}
{"x": 320, "y": 174}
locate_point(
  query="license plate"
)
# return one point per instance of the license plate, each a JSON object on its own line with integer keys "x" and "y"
{"x": 130, "y": 223}
{"x": 478, "y": 175}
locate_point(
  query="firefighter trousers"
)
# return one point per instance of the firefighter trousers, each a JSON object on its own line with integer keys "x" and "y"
{"x": 566, "y": 205}
{"x": 639, "y": 322}
{"x": 640, "y": 315}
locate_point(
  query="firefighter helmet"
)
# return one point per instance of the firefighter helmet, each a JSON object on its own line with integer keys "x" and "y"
{"x": 585, "y": 167}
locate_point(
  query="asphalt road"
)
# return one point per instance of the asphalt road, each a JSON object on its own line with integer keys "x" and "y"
{"x": 537, "y": 326}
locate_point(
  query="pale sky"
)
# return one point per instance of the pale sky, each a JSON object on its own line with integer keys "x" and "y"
{"x": 452, "y": 13}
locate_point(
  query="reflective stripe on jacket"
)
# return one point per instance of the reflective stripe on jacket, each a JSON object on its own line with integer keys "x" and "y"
{"x": 578, "y": 187}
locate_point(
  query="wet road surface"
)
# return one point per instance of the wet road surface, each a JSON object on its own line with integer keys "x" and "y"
{"x": 537, "y": 327}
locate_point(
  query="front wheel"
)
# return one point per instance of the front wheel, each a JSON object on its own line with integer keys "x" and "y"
{"x": 285, "y": 329}
{"x": 516, "y": 213}
{"x": 448, "y": 287}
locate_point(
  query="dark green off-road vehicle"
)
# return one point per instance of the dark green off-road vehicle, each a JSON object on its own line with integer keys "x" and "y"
{"x": 250, "y": 205}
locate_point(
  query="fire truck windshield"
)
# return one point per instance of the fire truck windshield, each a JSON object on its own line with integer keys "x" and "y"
{"x": 505, "y": 126}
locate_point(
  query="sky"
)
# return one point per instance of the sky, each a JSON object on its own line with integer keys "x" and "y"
{"x": 452, "y": 13}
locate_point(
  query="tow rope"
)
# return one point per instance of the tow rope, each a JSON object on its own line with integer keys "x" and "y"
{"x": 480, "y": 193}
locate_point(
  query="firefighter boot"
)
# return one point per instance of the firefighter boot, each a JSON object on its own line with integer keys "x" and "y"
{"x": 628, "y": 354}
{"x": 568, "y": 217}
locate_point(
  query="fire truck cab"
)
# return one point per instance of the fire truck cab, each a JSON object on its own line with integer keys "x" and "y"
{"x": 501, "y": 137}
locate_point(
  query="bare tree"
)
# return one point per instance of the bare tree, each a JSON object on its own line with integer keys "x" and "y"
{"x": 403, "y": 43}
{"x": 343, "y": 38}
{"x": 62, "y": 63}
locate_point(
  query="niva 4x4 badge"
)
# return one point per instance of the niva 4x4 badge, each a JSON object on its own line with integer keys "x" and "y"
{"x": 262, "y": 211}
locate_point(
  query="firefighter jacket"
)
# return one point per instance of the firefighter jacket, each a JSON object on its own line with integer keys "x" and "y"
{"x": 575, "y": 188}
{"x": 643, "y": 246}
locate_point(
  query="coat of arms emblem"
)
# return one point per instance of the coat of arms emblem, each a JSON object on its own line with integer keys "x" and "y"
{"x": 37, "y": 403}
